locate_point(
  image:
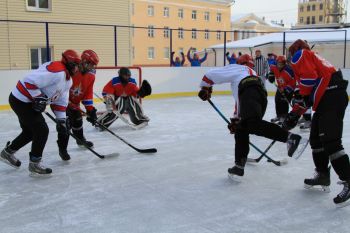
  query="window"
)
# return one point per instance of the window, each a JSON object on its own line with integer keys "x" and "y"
{"x": 194, "y": 33}
{"x": 151, "y": 53}
{"x": 194, "y": 14}
{"x": 218, "y": 35}
{"x": 151, "y": 31}
{"x": 308, "y": 8}
{"x": 206, "y": 34}
{"x": 321, "y": 6}
{"x": 313, "y": 7}
{"x": 166, "y": 12}
{"x": 301, "y": 9}
{"x": 320, "y": 18}
{"x": 166, "y": 32}
{"x": 166, "y": 53}
{"x": 308, "y": 20}
{"x": 180, "y": 13}
{"x": 180, "y": 33}
{"x": 150, "y": 10}
{"x": 38, "y": 56}
{"x": 39, "y": 5}
{"x": 301, "y": 20}
{"x": 206, "y": 16}
{"x": 313, "y": 21}
{"x": 218, "y": 17}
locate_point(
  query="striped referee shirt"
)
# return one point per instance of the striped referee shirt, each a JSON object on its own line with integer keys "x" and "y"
{"x": 261, "y": 66}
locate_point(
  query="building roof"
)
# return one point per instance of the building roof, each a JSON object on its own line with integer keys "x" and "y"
{"x": 216, "y": 1}
{"x": 312, "y": 35}
{"x": 251, "y": 18}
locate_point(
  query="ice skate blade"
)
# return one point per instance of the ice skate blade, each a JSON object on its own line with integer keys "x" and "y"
{"x": 235, "y": 178}
{"x": 37, "y": 175}
{"x": 320, "y": 188}
{"x": 343, "y": 204}
{"x": 8, "y": 163}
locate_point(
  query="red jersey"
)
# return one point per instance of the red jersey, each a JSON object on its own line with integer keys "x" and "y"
{"x": 116, "y": 88}
{"x": 313, "y": 74}
{"x": 82, "y": 91}
{"x": 285, "y": 78}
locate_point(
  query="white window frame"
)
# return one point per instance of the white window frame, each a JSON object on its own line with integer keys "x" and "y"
{"x": 218, "y": 35}
{"x": 194, "y": 15}
{"x": 151, "y": 53}
{"x": 39, "y": 54}
{"x": 150, "y": 10}
{"x": 151, "y": 31}
{"x": 218, "y": 17}
{"x": 180, "y": 33}
{"x": 207, "y": 16}
{"x": 37, "y": 8}
{"x": 166, "y": 32}
{"x": 206, "y": 34}
{"x": 194, "y": 33}
{"x": 166, "y": 12}
{"x": 166, "y": 53}
{"x": 180, "y": 13}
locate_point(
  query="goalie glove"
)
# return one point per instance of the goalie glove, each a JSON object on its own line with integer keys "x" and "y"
{"x": 145, "y": 89}
{"x": 205, "y": 93}
{"x": 109, "y": 101}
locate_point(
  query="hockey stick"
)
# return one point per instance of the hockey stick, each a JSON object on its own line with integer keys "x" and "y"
{"x": 78, "y": 139}
{"x": 257, "y": 160}
{"x": 277, "y": 163}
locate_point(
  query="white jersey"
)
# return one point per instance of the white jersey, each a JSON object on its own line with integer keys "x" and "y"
{"x": 233, "y": 74}
{"x": 49, "y": 79}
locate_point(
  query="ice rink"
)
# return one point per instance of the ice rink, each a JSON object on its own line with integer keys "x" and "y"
{"x": 182, "y": 188}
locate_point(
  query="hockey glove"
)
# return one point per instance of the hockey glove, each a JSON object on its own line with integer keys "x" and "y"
{"x": 39, "y": 103}
{"x": 271, "y": 77}
{"x": 233, "y": 125}
{"x": 63, "y": 126}
{"x": 291, "y": 121}
{"x": 205, "y": 93}
{"x": 145, "y": 89}
{"x": 92, "y": 116}
{"x": 227, "y": 54}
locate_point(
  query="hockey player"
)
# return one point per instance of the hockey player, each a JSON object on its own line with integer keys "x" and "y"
{"x": 49, "y": 84}
{"x": 284, "y": 77}
{"x": 196, "y": 61}
{"x": 251, "y": 96}
{"x": 81, "y": 91}
{"x": 121, "y": 95}
{"x": 323, "y": 88}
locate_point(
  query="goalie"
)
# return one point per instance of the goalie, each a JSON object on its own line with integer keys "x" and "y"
{"x": 120, "y": 96}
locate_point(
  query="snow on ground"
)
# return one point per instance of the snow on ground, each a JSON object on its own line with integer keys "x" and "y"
{"x": 182, "y": 188}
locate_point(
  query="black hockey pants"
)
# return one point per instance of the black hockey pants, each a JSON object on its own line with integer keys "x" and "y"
{"x": 281, "y": 104}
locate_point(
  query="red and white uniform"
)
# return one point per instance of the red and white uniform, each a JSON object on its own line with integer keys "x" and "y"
{"x": 232, "y": 74}
{"x": 313, "y": 74}
{"x": 285, "y": 78}
{"x": 82, "y": 91}
{"x": 116, "y": 88}
{"x": 50, "y": 79}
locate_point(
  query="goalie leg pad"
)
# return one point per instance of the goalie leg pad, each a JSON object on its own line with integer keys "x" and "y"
{"x": 107, "y": 119}
{"x": 135, "y": 111}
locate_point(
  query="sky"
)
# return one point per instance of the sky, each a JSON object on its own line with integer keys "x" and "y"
{"x": 287, "y": 10}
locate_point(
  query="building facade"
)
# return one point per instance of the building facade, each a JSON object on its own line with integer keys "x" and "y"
{"x": 23, "y": 45}
{"x": 318, "y": 12}
{"x": 198, "y": 24}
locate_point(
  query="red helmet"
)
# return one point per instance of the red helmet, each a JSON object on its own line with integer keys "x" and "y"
{"x": 281, "y": 59}
{"x": 246, "y": 59}
{"x": 70, "y": 56}
{"x": 297, "y": 45}
{"x": 90, "y": 56}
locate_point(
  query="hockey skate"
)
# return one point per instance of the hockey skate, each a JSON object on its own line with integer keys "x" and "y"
{"x": 296, "y": 145}
{"x": 343, "y": 198}
{"x": 7, "y": 156}
{"x": 236, "y": 173}
{"x": 320, "y": 181}
{"x": 82, "y": 142}
{"x": 37, "y": 170}
{"x": 62, "y": 150}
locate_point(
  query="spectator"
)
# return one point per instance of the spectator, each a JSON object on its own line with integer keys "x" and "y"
{"x": 231, "y": 59}
{"x": 177, "y": 62}
{"x": 239, "y": 54}
{"x": 271, "y": 59}
{"x": 261, "y": 66}
{"x": 195, "y": 61}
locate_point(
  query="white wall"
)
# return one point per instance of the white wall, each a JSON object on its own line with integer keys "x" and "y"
{"x": 163, "y": 80}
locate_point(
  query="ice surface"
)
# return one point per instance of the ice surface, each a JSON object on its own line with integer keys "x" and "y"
{"x": 182, "y": 188}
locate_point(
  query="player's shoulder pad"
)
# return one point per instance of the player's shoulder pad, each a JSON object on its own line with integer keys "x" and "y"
{"x": 55, "y": 67}
{"x": 297, "y": 56}
{"x": 115, "y": 81}
{"x": 132, "y": 80}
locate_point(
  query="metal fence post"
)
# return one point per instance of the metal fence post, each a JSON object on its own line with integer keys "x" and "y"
{"x": 284, "y": 43}
{"x": 225, "y": 48}
{"x": 48, "y": 52}
{"x": 345, "y": 45}
{"x": 115, "y": 46}
{"x": 171, "y": 44}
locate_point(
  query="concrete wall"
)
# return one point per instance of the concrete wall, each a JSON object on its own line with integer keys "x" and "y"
{"x": 165, "y": 81}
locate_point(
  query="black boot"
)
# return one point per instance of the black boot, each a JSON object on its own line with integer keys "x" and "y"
{"x": 320, "y": 179}
{"x": 343, "y": 198}
{"x": 236, "y": 170}
{"x": 82, "y": 140}
{"x": 62, "y": 143}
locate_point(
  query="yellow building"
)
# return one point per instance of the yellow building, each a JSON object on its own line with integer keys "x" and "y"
{"x": 23, "y": 45}
{"x": 321, "y": 12}
{"x": 151, "y": 46}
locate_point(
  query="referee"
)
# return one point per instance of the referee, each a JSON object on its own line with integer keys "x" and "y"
{"x": 261, "y": 66}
